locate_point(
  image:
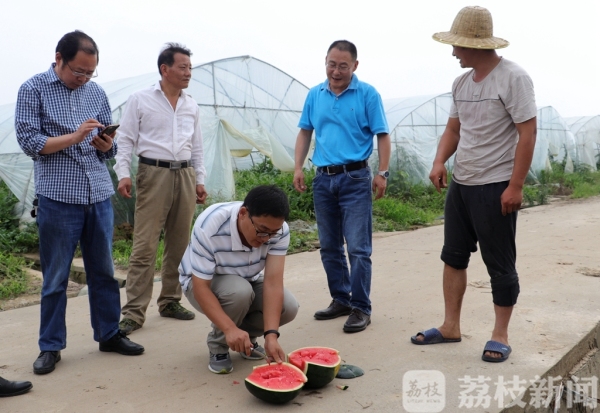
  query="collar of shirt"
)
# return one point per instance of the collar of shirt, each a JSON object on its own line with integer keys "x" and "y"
{"x": 52, "y": 77}
{"x": 236, "y": 240}
{"x": 353, "y": 85}
{"x": 182, "y": 95}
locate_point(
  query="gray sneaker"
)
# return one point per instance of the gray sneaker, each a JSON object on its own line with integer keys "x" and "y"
{"x": 220, "y": 363}
{"x": 258, "y": 353}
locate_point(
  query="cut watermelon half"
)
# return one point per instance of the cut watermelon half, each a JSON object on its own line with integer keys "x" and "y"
{"x": 319, "y": 364}
{"x": 275, "y": 383}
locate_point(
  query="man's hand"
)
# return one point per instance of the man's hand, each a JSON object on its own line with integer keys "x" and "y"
{"x": 511, "y": 199}
{"x": 299, "y": 181}
{"x": 124, "y": 187}
{"x": 379, "y": 185}
{"x": 274, "y": 351}
{"x": 84, "y": 130}
{"x": 238, "y": 340}
{"x": 103, "y": 143}
{"x": 439, "y": 176}
{"x": 201, "y": 194}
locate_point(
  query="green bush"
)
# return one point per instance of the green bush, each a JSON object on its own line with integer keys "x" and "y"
{"x": 301, "y": 204}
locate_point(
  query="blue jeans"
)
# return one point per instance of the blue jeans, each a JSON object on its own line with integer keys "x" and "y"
{"x": 61, "y": 226}
{"x": 343, "y": 207}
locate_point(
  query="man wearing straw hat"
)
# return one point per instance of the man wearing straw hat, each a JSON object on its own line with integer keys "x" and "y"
{"x": 492, "y": 131}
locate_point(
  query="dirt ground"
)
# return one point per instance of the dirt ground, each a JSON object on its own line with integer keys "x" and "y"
{"x": 558, "y": 311}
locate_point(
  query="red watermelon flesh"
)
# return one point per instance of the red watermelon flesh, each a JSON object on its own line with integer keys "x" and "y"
{"x": 275, "y": 383}
{"x": 320, "y": 364}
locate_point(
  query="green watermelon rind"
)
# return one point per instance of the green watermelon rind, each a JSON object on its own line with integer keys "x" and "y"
{"x": 275, "y": 396}
{"x": 318, "y": 375}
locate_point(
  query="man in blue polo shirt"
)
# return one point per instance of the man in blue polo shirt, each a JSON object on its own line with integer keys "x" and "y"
{"x": 345, "y": 114}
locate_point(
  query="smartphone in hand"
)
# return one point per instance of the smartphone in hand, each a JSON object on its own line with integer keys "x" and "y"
{"x": 109, "y": 130}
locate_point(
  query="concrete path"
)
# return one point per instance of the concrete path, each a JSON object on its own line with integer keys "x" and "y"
{"x": 558, "y": 309}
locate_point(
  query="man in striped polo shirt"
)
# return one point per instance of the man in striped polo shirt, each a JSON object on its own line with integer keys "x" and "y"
{"x": 232, "y": 271}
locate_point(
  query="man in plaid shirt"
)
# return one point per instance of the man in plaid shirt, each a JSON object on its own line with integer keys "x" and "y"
{"x": 58, "y": 121}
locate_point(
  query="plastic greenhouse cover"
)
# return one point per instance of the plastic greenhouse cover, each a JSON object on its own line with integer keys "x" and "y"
{"x": 250, "y": 110}
{"x": 587, "y": 138}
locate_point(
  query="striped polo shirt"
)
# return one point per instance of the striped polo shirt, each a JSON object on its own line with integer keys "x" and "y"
{"x": 216, "y": 248}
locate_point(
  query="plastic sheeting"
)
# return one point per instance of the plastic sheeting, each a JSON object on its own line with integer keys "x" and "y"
{"x": 587, "y": 137}
{"x": 250, "y": 110}
{"x": 416, "y": 124}
{"x": 16, "y": 168}
{"x": 555, "y": 141}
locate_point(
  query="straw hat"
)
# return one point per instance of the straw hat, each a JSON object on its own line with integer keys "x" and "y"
{"x": 472, "y": 28}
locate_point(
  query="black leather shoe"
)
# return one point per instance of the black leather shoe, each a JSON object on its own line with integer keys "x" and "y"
{"x": 334, "y": 310}
{"x": 119, "y": 343}
{"x": 357, "y": 321}
{"x": 13, "y": 388}
{"x": 46, "y": 362}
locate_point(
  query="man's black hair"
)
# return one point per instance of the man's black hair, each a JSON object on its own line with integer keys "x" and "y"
{"x": 76, "y": 41}
{"x": 344, "y": 46}
{"x": 267, "y": 200}
{"x": 167, "y": 54}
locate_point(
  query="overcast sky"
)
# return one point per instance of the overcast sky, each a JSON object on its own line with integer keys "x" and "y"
{"x": 557, "y": 43}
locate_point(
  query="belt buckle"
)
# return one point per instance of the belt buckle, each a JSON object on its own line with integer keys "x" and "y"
{"x": 175, "y": 165}
{"x": 327, "y": 170}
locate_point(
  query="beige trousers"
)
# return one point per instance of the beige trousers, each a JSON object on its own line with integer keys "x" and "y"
{"x": 242, "y": 301}
{"x": 165, "y": 200}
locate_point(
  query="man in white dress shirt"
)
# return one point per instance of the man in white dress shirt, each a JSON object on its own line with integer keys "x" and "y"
{"x": 162, "y": 125}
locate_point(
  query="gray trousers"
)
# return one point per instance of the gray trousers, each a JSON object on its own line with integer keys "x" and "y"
{"x": 242, "y": 301}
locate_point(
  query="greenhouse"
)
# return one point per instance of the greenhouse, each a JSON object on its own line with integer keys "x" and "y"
{"x": 250, "y": 110}
{"x": 16, "y": 168}
{"x": 555, "y": 141}
{"x": 416, "y": 124}
{"x": 587, "y": 137}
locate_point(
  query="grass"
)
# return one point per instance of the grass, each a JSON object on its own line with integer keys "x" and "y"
{"x": 123, "y": 248}
{"x": 13, "y": 277}
{"x": 14, "y": 239}
{"x": 582, "y": 183}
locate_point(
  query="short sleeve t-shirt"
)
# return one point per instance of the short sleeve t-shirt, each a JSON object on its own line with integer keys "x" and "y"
{"x": 216, "y": 248}
{"x": 488, "y": 111}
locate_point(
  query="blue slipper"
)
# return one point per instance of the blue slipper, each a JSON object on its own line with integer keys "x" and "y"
{"x": 432, "y": 336}
{"x": 496, "y": 347}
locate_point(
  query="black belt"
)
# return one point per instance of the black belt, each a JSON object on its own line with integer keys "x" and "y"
{"x": 166, "y": 164}
{"x": 338, "y": 169}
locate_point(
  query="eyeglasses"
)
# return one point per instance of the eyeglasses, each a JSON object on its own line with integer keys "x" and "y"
{"x": 341, "y": 68}
{"x": 79, "y": 74}
{"x": 262, "y": 234}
